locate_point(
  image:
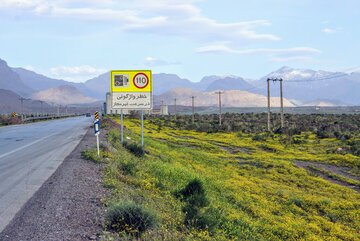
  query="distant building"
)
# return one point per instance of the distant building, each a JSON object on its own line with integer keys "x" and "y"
{"x": 163, "y": 110}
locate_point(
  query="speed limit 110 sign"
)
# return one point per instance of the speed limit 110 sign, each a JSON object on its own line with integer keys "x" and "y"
{"x": 131, "y": 89}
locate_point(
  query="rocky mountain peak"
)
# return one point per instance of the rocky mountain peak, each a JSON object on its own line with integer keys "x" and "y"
{"x": 3, "y": 64}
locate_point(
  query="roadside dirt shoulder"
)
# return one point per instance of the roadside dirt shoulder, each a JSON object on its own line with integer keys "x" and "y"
{"x": 68, "y": 205}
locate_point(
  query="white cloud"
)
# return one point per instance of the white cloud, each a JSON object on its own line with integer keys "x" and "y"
{"x": 162, "y": 17}
{"x": 328, "y": 30}
{"x": 331, "y": 30}
{"x": 151, "y": 61}
{"x": 29, "y": 67}
{"x": 285, "y": 51}
{"x": 20, "y": 4}
{"x": 291, "y": 59}
{"x": 351, "y": 70}
{"x": 275, "y": 55}
{"x": 216, "y": 48}
{"x": 76, "y": 73}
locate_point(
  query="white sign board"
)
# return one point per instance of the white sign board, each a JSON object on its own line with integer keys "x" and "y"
{"x": 131, "y": 101}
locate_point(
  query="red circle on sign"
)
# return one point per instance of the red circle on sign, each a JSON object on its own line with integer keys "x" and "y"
{"x": 147, "y": 81}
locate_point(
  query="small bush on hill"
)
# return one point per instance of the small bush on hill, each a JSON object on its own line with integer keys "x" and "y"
{"x": 195, "y": 197}
{"x": 194, "y": 193}
{"x": 128, "y": 168}
{"x": 134, "y": 148}
{"x": 130, "y": 218}
{"x": 259, "y": 137}
{"x": 354, "y": 147}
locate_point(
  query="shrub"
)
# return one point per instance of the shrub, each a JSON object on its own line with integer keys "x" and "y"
{"x": 194, "y": 193}
{"x": 10, "y": 121}
{"x": 328, "y": 131}
{"x": 128, "y": 168}
{"x": 134, "y": 148}
{"x": 195, "y": 197}
{"x": 259, "y": 137}
{"x": 297, "y": 201}
{"x": 204, "y": 127}
{"x": 130, "y": 218}
{"x": 297, "y": 140}
{"x": 354, "y": 147}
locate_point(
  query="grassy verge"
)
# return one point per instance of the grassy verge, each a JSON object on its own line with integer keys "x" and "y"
{"x": 247, "y": 195}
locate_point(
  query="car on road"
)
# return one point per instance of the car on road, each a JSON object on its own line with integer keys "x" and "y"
{"x": 88, "y": 115}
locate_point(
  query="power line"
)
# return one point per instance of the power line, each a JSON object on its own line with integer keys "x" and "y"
{"x": 193, "y": 109}
{"x": 318, "y": 79}
{"x": 175, "y": 108}
{"x": 254, "y": 87}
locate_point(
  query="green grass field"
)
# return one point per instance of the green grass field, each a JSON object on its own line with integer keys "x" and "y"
{"x": 254, "y": 189}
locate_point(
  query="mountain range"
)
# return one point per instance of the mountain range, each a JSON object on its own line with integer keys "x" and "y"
{"x": 306, "y": 86}
{"x": 230, "y": 98}
{"x": 9, "y": 102}
{"x": 302, "y": 87}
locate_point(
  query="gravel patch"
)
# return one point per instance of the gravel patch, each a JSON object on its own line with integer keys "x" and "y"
{"x": 68, "y": 206}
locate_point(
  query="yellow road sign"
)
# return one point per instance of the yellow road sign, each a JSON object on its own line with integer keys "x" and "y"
{"x": 131, "y": 89}
{"x": 131, "y": 81}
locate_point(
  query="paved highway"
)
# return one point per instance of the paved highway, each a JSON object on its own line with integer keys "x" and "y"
{"x": 29, "y": 155}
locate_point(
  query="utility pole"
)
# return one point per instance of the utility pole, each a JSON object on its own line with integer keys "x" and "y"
{"x": 142, "y": 130}
{"x": 281, "y": 104}
{"x": 193, "y": 109}
{"x": 219, "y": 93}
{"x": 22, "y": 106}
{"x": 162, "y": 108}
{"x": 22, "y": 103}
{"x": 268, "y": 104}
{"x": 122, "y": 126}
{"x": 175, "y": 107}
{"x": 41, "y": 102}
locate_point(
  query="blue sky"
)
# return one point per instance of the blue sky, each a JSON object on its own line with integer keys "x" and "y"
{"x": 80, "y": 39}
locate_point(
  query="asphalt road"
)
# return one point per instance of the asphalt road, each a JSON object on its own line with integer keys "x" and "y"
{"x": 29, "y": 155}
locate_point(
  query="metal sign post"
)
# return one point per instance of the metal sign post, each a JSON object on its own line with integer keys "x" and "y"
{"x": 98, "y": 145}
{"x": 97, "y": 132}
{"x": 122, "y": 126}
{"x": 142, "y": 129}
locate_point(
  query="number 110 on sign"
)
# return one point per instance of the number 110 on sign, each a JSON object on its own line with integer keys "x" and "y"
{"x": 141, "y": 80}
